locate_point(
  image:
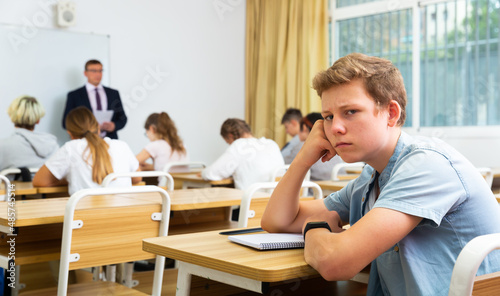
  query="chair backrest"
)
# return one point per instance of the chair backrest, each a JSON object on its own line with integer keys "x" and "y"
{"x": 487, "y": 174}
{"x": 15, "y": 171}
{"x": 280, "y": 171}
{"x": 6, "y": 181}
{"x": 106, "y": 231}
{"x": 336, "y": 168}
{"x": 170, "y": 181}
{"x": 468, "y": 262}
{"x": 250, "y": 191}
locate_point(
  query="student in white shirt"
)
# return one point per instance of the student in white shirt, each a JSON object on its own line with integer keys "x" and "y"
{"x": 248, "y": 159}
{"x": 166, "y": 145}
{"x": 87, "y": 159}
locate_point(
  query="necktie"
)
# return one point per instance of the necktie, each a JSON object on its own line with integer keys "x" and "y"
{"x": 98, "y": 100}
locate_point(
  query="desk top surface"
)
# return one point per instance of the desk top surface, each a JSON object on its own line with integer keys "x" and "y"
{"x": 51, "y": 210}
{"x": 27, "y": 188}
{"x": 21, "y": 188}
{"x": 218, "y": 253}
{"x": 195, "y": 177}
{"x": 332, "y": 185}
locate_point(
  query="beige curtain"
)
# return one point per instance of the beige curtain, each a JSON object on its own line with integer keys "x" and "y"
{"x": 286, "y": 45}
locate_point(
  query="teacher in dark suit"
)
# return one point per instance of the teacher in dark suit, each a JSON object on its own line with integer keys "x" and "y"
{"x": 95, "y": 97}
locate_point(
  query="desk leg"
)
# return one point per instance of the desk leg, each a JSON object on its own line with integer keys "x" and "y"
{"x": 188, "y": 269}
{"x": 183, "y": 280}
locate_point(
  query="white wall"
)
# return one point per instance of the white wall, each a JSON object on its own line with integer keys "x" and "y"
{"x": 479, "y": 144}
{"x": 197, "y": 47}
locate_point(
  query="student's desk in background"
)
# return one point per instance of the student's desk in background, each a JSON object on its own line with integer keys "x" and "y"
{"x": 329, "y": 186}
{"x": 195, "y": 180}
{"x": 21, "y": 188}
{"x": 27, "y": 188}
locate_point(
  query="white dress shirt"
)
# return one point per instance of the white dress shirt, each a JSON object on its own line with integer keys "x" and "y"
{"x": 92, "y": 98}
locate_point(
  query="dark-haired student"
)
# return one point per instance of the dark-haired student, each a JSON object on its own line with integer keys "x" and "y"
{"x": 416, "y": 204}
{"x": 291, "y": 122}
{"x": 247, "y": 159}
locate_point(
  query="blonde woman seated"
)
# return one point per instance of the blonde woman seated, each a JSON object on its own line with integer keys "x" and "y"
{"x": 25, "y": 147}
{"x": 248, "y": 159}
{"x": 84, "y": 161}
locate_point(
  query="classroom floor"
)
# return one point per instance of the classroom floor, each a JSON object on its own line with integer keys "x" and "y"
{"x": 36, "y": 276}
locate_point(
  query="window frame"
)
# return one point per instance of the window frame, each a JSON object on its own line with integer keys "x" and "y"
{"x": 379, "y": 7}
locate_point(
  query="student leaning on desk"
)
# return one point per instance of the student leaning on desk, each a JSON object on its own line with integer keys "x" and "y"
{"x": 413, "y": 208}
{"x": 87, "y": 159}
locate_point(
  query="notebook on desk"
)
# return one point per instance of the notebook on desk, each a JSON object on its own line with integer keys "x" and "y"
{"x": 269, "y": 241}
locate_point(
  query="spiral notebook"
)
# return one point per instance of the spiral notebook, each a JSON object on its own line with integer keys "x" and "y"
{"x": 269, "y": 241}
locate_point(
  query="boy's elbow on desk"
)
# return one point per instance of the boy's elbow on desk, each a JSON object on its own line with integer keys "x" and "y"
{"x": 269, "y": 223}
{"x": 326, "y": 263}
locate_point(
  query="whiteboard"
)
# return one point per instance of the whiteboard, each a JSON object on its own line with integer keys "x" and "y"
{"x": 45, "y": 64}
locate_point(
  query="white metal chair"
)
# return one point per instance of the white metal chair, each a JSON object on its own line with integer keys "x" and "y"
{"x": 169, "y": 184}
{"x": 6, "y": 181}
{"x": 487, "y": 173}
{"x": 14, "y": 171}
{"x": 468, "y": 262}
{"x": 280, "y": 171}
{"x": 113, "y": 233}
{"x": 246, "y": 213}
{"x": 336, "y": 168}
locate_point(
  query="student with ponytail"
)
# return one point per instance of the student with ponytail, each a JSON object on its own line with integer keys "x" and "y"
{"x": 87, "y": 159}
{"x": 165, "y": 146}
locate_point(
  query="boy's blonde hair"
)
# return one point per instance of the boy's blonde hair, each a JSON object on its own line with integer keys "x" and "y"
{"x": 25, "y": 112}
{"x": 381, "y": 78}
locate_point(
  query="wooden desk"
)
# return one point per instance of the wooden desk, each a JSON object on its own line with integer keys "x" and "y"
{"x": 204, "y": 209}
{"x": 41, "y": 219}
{"x": 348, "y": 177}
{"x": 329, "y": 186}
{"x": 21, "y": 188}
{"x": 356, "y": 171}
{"x": 221, "y": 260}
{"x": 27, "y": 188}
{"x": 497, "y": 196}
{"x": 496, "y": 172}
{"x": 195, "y": 180}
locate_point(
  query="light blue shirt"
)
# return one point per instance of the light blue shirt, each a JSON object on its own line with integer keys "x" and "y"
{"x": 425, "y": 177}
{"x": 291, "y": 149}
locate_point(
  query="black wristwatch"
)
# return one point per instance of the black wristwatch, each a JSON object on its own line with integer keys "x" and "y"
{"x": 319, "y": 224}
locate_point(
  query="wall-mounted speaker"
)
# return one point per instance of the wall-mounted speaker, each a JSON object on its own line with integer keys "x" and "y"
{"x": 66, "y": 13}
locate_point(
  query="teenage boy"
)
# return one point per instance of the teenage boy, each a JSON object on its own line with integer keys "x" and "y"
{"x": 291, "y": 120}
{"x": 413, "y": 208}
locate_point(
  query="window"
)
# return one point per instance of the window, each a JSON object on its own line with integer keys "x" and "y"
{"x": 450, "y": 62}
